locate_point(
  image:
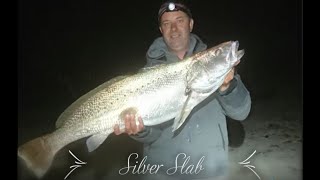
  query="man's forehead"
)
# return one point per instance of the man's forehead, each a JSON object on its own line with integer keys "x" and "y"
{"x": 173, "y": 15}
{"x": 173, "y": 6}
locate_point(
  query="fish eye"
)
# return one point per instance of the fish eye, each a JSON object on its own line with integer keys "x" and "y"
{"x": 217, "y": 52}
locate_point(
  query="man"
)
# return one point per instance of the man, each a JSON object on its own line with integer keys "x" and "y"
{"x": 202, "y": 143}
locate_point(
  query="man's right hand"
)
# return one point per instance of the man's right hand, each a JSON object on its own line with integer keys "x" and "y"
{"x": 130, "y": 125}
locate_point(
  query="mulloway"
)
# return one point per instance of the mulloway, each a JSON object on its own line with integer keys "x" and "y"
{"x": 157, "y": 94}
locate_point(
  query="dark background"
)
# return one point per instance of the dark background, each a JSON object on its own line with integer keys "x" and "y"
{"x": 66, "y": 48}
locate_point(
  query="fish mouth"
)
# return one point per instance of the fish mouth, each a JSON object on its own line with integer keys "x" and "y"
{"x": 237, "y": 54}
{"x": 234, "y": 48}
{"x": 235, "y": 45}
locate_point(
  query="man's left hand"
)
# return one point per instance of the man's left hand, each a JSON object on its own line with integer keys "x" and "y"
{"x": 227, "y": 80}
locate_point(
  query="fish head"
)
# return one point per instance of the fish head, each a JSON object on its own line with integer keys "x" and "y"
{"x": 221, "y": 57}
{"x": 212, "y": 65}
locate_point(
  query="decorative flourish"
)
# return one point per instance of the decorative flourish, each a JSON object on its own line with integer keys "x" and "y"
{"x": 246, "y": 164}
{"x": 78, "y": 162}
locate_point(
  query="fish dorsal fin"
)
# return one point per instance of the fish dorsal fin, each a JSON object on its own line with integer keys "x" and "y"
{"x": 68, "y": 112}
{"x": 95, "y": 141}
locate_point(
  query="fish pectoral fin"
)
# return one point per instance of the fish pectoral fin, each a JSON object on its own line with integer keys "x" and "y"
{"x": 184, "y": 113}
{"x": 95, "y": 141}
{"x": 179, "y": 120}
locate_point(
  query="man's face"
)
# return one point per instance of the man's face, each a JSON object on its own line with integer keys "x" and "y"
{"x": 175, "y": 28}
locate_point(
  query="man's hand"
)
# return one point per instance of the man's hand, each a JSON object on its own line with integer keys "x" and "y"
{"x": 227, "y": 80}
{"x": 130, "y": 125}
{"x": 229, "y": 77}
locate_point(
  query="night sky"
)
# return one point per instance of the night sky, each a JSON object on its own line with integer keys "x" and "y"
{"x": 67, "y": 48}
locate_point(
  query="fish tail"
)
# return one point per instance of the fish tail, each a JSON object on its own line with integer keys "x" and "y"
{"x": 37, "y": 155}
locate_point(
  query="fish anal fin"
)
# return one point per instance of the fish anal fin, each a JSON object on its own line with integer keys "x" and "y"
{"x": 95, "y": 141}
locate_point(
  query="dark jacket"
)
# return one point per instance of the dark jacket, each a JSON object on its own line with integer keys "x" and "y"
{"x": 204, "y": 134}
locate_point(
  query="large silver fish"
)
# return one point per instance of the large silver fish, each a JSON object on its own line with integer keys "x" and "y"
{"x": 157, "y": 94}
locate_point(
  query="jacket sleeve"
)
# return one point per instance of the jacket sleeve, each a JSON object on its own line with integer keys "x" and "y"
{"x": 236, "y": 100}
{"x": 148, "y": 135}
